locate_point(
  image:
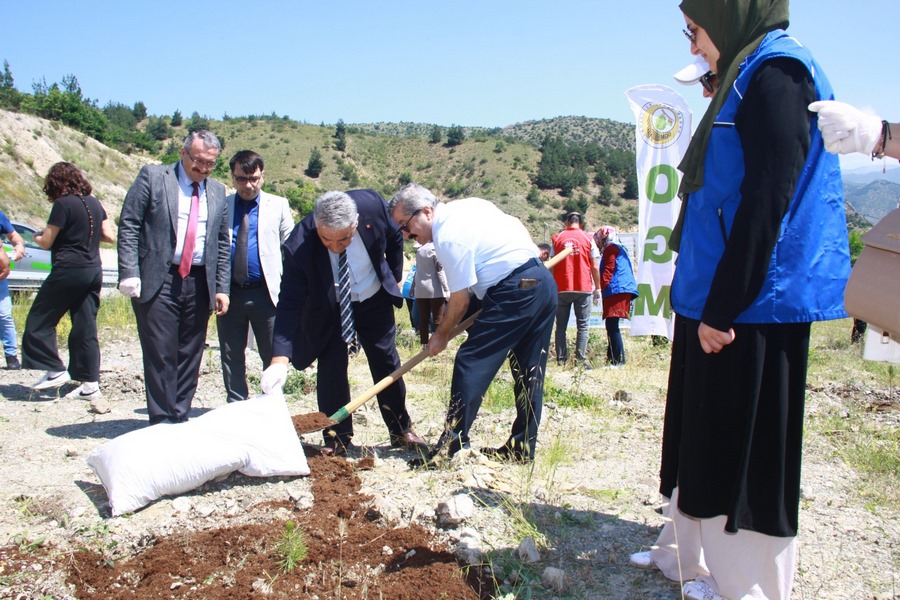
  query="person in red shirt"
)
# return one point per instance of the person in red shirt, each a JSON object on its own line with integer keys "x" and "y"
{"x": 578, "y": 279}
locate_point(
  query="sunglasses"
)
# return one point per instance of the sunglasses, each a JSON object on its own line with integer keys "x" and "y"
{"x": 709, "y": 81}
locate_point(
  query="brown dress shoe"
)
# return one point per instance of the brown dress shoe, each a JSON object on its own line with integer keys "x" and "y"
{"x": 409, "y": 440}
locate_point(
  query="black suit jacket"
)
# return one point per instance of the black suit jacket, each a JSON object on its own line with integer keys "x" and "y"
{"x": 307, "y": 313}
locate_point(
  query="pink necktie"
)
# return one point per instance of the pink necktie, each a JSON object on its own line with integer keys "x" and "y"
{"x": 191, "y": 236}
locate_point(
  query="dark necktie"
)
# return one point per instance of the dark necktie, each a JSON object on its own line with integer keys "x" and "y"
{"x": 187, "y": 251}
{"x": 239, "y": 268}
{"x": 348, "y": 331}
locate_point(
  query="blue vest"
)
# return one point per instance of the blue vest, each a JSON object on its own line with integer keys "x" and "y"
{"x": 810, "y": 263}
{"x": 622, "y": 281}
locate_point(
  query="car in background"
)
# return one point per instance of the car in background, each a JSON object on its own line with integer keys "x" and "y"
{"x": 30, "y": 271}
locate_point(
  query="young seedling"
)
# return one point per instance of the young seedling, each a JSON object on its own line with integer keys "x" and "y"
{"x": 292, "y": 547}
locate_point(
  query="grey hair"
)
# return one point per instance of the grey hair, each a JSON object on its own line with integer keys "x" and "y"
{"x": 208, "y": 138}
{"x": 412, "y": 197}
{"x": 335, "y": 210}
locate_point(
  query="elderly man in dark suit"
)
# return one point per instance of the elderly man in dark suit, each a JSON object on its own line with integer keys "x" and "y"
{"x": 174, "y": 262}
{"x": 350, "y": 238}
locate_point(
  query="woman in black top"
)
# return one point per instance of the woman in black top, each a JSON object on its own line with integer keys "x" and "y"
{"x": 76, "y": 226}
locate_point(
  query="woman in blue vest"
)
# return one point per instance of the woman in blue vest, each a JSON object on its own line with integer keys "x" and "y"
{"x": 763, "y": 253}
{"x": 617, "y": 288}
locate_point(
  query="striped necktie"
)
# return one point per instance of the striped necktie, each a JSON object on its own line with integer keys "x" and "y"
{"x": 348, "y": 331}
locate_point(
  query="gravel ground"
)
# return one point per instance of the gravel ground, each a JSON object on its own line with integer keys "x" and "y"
{"x": 588, "y": 501}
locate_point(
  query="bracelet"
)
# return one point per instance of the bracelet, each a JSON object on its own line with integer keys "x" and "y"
{"x": 885, "y": 136}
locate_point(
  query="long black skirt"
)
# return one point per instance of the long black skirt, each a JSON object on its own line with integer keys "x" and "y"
{"x": 733, "y": 432}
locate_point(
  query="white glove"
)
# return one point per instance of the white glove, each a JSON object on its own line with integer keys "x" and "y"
{"x": 130, "y": 287}
{"x": 273, "y": 377}
{"x": 845, "y": 128}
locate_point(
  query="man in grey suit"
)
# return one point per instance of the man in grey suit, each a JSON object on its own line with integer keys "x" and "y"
{"x": 259, "y": 225}
{"x": 174, "y": 264}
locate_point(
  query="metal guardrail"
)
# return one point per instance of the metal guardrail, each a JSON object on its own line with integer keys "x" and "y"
{"x": 31, "y": 279}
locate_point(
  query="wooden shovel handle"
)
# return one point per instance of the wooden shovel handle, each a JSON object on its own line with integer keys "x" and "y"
{"x": 399, "y": 372}
{"x": 551, "y": 262}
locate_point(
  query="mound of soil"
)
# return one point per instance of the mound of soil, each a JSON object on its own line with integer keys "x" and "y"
{"x": 311, "y": 422}
{"x": 351, "y": 554}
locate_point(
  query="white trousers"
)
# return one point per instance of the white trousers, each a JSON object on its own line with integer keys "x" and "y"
{"x": 746, "y": 564}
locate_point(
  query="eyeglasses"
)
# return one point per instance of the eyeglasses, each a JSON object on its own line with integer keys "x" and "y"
{"x": 206, "y": 164}
{"x": 709, "y": 81}
{"x": 246, "y": 180}
{"x": 690, "y": 35}
{"x": 404, "y": 228}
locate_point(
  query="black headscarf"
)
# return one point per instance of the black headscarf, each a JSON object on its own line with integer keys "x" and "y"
{"x": 736, "y": 27}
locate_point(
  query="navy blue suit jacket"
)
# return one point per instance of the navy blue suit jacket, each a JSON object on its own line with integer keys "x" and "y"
{"x": 307, "y": 314}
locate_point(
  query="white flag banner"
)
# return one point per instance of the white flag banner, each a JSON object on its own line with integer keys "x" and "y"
{"x": 663, "y": 132}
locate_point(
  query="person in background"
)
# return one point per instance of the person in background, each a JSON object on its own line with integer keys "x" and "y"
{"x": 762, "y": 253}
{"x": 7, "y": 324}
{"x": 408, "y": 291}
{"x": 260, "y": 224}
{"x": 324, "y": 316}
{"x": 544, "y": 250}
{"x": 848, "y": 130}
{"x": 431, "y": 290}
{"x": 75, "y": 228}
{"x": 174, "y": 263}
{"x": 484, "y": 249}
{"x": 617, "y": 288}
{"x": 578, "y": 280}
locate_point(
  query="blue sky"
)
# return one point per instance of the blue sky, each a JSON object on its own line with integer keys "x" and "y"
{"x": 485, "y": 62}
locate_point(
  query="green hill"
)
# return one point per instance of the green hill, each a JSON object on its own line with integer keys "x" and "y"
{"x": 495, "y": 164}
{"x": 489, "y": 164}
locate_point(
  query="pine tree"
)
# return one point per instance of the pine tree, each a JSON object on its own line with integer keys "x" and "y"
{"x": 340, "y": 133}
{"x": 456, "y": 135}
{"x": 9, "y": 96}
{"x": 316, "y": 165}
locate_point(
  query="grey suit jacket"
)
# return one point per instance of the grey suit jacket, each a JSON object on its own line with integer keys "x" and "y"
{"x": 148, "y": 226}
{"x": 275, "y": 225}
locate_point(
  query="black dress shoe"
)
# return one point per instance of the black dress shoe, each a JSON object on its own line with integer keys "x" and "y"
{"x": 507, "y": 454}
{"x": 409, "y": 440}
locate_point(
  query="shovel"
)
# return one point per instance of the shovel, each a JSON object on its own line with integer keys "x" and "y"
{"x": 312, "y": 422}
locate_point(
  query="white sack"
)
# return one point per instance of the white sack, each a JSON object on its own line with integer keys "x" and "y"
{"x": 255, "y": 437}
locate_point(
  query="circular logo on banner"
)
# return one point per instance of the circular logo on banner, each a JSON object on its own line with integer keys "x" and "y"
{"x": 660, "y": 124}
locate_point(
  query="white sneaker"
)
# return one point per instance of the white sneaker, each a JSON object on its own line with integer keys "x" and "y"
{"x": 642, "y": 560}
{"x": 700, "y": 590}
{"x": 85, "y": 391}
{"x": 52, "y": 380}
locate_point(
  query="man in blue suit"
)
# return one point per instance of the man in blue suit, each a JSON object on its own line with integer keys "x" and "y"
{"x": 308, "y": 324}
{"x": 175, "y": 264}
